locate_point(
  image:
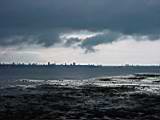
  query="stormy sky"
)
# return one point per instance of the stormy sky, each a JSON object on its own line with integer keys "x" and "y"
{"x": 85, "y": 31}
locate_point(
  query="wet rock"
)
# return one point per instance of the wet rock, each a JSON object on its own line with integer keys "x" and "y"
{"x": 91, "y": 102}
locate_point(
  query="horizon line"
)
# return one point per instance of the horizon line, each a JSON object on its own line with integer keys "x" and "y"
{"x": 73, "y": 64}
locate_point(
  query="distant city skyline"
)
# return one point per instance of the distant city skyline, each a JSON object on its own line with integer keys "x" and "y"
{"x": 74, "y": 64}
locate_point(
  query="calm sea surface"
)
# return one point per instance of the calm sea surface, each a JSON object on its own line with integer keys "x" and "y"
{"x": 70, "y": 72}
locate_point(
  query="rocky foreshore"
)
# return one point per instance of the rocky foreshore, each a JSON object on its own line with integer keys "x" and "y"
{"x": 107, "y": 98}
{"x": 46, "y": 102}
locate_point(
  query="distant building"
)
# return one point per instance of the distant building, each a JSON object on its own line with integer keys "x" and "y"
{"x": 74, "y": 63}
{"x": 127, "y": 65}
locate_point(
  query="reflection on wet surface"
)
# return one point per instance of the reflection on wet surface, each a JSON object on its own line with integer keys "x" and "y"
{"x": 133, "y": 97}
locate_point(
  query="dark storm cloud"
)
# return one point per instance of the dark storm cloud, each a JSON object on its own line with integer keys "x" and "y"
{"x": 71, "y": 41}
{"x": 44, "y": 38}
{"x": 107, "y": 37}
{"x": 88, "y": 43}
{"x": 33, "y": 17}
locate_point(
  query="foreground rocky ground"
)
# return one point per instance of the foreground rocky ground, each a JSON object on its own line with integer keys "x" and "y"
{"x": 52, "y": 102}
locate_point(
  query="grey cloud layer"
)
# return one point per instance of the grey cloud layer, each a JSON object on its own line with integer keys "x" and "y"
{"x": 107, "y": 37}
{"x": 33, "y": 17}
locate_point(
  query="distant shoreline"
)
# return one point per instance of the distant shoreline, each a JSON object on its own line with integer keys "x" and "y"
{"x": 74, "y": 65}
